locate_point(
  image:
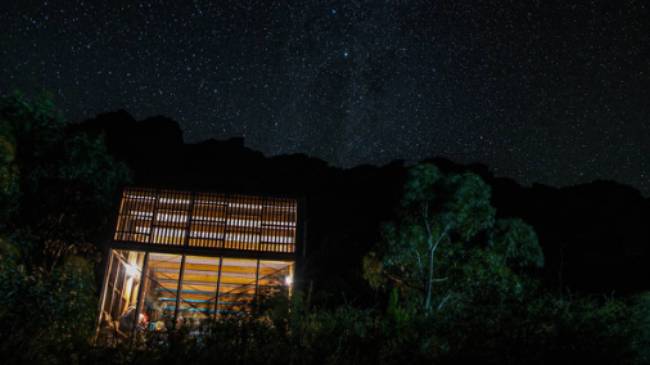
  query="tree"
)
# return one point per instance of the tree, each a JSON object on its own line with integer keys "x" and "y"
{"x": 44, "y": 313}
{"x": 8, "y": 172}
{"x": 517, "y": 243}
{"x": 58, "y": 186}
{"x": 451, "y": 212}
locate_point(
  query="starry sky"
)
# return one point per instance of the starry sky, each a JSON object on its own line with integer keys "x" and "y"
{"x": 555, "y": 92}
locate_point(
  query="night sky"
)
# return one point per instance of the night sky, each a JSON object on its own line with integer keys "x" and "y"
{"x": 540, "y": 91}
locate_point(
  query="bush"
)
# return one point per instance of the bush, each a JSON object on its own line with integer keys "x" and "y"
{"x": 45, "y": 317}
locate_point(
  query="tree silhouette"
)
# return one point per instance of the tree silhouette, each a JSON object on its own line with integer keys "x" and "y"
{"x": 448, "y": 244}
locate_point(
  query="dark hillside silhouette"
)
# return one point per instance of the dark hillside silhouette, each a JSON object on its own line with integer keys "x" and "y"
{"x": 595, "y": 237}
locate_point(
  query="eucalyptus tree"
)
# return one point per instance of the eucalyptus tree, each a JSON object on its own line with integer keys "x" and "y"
{"x": 447, "y": 243}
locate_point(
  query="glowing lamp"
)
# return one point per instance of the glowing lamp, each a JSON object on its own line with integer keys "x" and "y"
{"x": 132, "y": 270}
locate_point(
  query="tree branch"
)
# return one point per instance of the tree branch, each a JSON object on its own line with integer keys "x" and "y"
{"x": 419, "y": 260}
{"x": 443, "y": 301}
{"x": 429, "y": 292}
{"x": 425, "y": 217}
{"x": 442, "y": 235}
{"x": 402, "y": 282}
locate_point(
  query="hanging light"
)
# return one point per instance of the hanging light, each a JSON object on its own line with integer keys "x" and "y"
{"x": 132, "y": 270}
{"x": 288, "y": 280}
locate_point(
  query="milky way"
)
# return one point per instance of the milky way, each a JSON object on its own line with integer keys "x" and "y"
{"x": 543, "y": 92}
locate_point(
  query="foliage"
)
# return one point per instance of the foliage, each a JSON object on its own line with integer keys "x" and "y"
{"x": 460, "y": 284}
{"x": 45, "y": 316}
{"x": 453, "y": 204}
{"x": 446, "y": 247}
{"x": 59, "y": 186}
{"x": 487, "y": 304}
{"x": 640, "y": 328}
{"x": 547, "y": 329}
{"x": 516, "y": 242}
{"x": 56, "y": 189}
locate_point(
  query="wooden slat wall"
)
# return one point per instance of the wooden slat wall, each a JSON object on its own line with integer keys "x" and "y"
{"x": 238, "y": 222}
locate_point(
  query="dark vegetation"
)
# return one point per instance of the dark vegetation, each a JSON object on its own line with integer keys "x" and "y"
{"x": 437, "y": 263}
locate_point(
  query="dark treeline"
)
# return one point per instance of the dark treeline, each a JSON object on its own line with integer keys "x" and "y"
{"x": 435, "y": 262}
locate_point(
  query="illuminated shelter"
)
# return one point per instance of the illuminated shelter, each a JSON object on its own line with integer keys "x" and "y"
{"x": 183, "y": 257}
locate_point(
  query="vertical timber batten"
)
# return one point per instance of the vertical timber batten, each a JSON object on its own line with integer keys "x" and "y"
{"x": 140, "y": 300}
{"x": 102, "y": 297}
{"x": 216, "y": 301}
{"x": 179, "y": 289}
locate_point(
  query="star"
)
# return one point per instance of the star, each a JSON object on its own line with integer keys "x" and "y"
{"x": 359, "y": 85}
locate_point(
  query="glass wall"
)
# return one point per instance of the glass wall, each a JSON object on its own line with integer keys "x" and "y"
{"x": 275, "y": 277}
{"x": 210, "y": 286}
{"x": 199, "y": 289}
{"x": 160, "y": 288}
{"x": 238, "y": 285}
{"x": 118, "y": 310}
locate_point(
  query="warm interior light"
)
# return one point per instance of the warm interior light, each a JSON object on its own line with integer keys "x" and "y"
{"x": 143, "y": 318}
{"x": 132, "y": 270}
